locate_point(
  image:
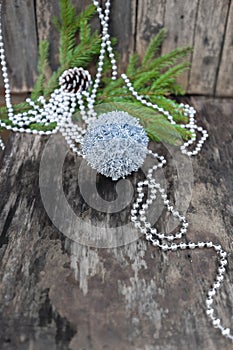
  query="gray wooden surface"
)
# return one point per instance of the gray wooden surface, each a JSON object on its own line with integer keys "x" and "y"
{"x": 58, "y": 294}
{"x": 206, "y": 25}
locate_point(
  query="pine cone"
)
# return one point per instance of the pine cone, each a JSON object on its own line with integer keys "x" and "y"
{"x": 75, "y": 80}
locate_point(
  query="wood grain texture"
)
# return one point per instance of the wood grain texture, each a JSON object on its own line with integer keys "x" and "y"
{"x": 45, "y": 12}
{"x": 58, "y": 294}
{"x": 20, "y": 34}
{"x": 224, "y": 79}
{"x": 209, "y": 36}
{"x": 122, "y": 26}
{"x": 180, "y": 21}
{"x": 150, "y": 19}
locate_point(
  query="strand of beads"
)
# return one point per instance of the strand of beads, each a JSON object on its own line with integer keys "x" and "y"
{"x": 59, "y": 109}
{"x": 163, "y": 241}
{"x": 188, "y": 111}
{"x": 19, "y": 121}
{"x": 2, "y": 146}
{"x": 106, "y": 43}
{"x": 65, "y": 106}
{"x": 88, "y": 113}
{"x": 104, "y": 19}
{"x": 153, "y": 188}
{"x": 61, "y": 106}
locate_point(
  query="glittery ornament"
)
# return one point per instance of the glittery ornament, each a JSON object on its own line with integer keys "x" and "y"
{"x": 115, "y": 145}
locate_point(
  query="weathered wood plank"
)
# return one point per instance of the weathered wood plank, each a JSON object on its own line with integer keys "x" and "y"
{"x": 45, "y": 11}
{"x": 224, "y": 83}
{"x": 180, "y": 20}
{"x": 150, "y": 19}
{"x": 209, "y": 34}
{"x": 122, "y": 26}
{"x": 58, "y": 294}
{"x": 19, "y": 28}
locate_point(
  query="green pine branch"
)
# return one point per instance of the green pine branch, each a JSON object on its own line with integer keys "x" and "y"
{"x": 169, "y": 77}
{"x": 72, "y": 27}
{"x": 52, "y": 84}
{"x": 165, "y": 61}
{"x": 153, "y": 47}
{"x": 154, "y": 76}
{"x": 67, "y": 30}
{"x": 133, "y": 64}
{"x": 156, "y": 125}
{"x": 68, "y": 27}
{"x": 43, "y": 66}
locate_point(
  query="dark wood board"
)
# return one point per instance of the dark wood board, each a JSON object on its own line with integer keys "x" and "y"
{"x": 21, "y": 44}
{"x": 58, "y": 294}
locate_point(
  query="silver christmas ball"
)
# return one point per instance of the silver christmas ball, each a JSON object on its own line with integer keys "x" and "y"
{"x": 115, "y": 144}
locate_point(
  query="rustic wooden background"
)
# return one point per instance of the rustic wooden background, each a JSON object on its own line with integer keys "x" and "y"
{"x": 206, "y": 25}
{"x": 57, "y": 294}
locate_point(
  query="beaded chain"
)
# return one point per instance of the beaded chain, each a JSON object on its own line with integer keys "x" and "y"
{"x": 60, "y": 109}
{"x": 61, "y": 105}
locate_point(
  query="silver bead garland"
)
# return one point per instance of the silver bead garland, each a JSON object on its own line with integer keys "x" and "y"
{"x": 60, "y": 108}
